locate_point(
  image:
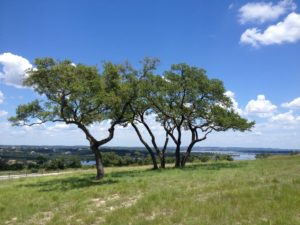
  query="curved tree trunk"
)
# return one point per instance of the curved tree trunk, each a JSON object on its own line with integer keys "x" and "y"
{"x": 187, "y": 153}
{"x": 153, "y": 158}
{"x": 152, "y": 155}
{"x": 99, "y": 163}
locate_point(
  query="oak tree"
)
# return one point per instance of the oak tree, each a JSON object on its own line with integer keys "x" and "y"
{"x": 77, "y": 95}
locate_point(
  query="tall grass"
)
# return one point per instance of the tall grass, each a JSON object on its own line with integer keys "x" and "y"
{"x": 263, "y": 191}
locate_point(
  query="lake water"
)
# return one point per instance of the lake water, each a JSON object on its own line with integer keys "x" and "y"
{"x": 88, "y": 163}
{"x": 235, "y": 155}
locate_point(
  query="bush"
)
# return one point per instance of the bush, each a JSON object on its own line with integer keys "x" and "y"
{"x": 73, "y": 162}
{"x": 229, "y": 158}
{"x": 41, "y": 160}
{"x": 55, "y": 164}
{"x": 223, "y": 157}
{"x": 204, "y": 158}
{"x": 262, "y": 155}
{"x": 34, "y": 170}
{"x": 3, "y": 165}
{"x": 16, "y": 166}
{"x": 32, "y": 165}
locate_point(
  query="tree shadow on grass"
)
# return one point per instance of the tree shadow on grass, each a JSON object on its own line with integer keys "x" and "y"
{"x": 216, "y": 166}
{"x": 133, "y": 173}
{"x": 151, "y": 172}
{"x": 69, "y": 183}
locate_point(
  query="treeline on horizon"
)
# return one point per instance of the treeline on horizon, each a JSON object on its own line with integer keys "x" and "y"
{"x": 181, "y": 98}
{"x": 109, "y": 158}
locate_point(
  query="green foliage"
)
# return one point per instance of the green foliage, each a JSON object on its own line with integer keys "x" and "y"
{"x": 3, "y": 165}
{"x": 76, "y": 94}
{"x": 262, "y": 155}
{"x": 55, "y": 164}
{"x": 73, "y": 93}
{"x": 62, "y": 163}
{"x": 204, "y": 158}
{"x": 223, "y": 157}
{"x": 113, "y": 159}
{"x": 185, "y": 95}
{"x": 41, "y": 160}
{"x": 73, "y": 162}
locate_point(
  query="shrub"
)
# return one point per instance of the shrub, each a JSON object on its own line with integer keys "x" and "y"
{"x": 204, "y": 158}
{"x": 73, "y": 162}
{"x": 262, "y": 155}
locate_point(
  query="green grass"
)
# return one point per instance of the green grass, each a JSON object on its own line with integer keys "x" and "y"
{"x": 249, "y": 192}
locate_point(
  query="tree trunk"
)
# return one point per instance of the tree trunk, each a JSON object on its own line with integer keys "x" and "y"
{"x": 162, "y": 160}
{"x": 177, "y": 152}
{"x": 187, "y": 154}
{"x": 99, "y": 164}
{"x": 152, "y": 155}
{"x": 153, "y": 158}
{"x": 177, "y": 156}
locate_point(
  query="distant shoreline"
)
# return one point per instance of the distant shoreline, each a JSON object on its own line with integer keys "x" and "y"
{"x": 196, "y": 148}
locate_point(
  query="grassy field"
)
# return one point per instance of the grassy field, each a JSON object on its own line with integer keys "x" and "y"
{"x": 249, "y": 192}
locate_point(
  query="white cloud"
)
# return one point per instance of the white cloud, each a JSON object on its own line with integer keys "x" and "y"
{"x": 1, "y": 97}
{"x": 235, "y": 104}
{"x": 260, "y": 107}
{"x": 3, "y": 113}
{"x": 294, "y": 104}
{"x": 286, "y": 118}
{"x": 261, "y": 12}
{"x": 14, "y": 67}
{"x": 60, "y": 127}
{"x": 287, "y": 31}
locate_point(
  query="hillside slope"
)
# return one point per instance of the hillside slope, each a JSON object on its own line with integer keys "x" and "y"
{"x": 245, "y": 192}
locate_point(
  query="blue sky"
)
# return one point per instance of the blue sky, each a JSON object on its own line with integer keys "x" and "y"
{"x": 253, "y": 46}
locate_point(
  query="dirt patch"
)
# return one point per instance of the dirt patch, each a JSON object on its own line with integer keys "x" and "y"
{"x": 114, "y": 202}
{"x": 98, "y": 202}
{"x": 11, "y": 221}
{"x": 163, "y": 213}
{"x": 113, "y": 197}
{"x": 41, "y": 218}
{"x": 130, "y": 201}
{"x": 106, "y": 202}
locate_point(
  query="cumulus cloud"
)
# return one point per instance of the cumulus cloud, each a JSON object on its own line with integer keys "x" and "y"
{"x": 1, "y": 97}
{"x": 2, "y": 112}
{"x": 294, "y": 104}
{"x": 261, "y": 12}
{"x": 287, "y": 31}
{"x": 235, "y": 104}
{"x": 286, "y": 118}
{"x": 260, "y": 107}
{"x": 60, "y": 127}
{"x": 13, "y": 69}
